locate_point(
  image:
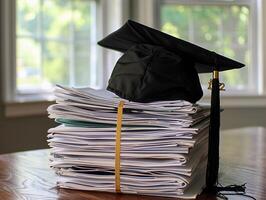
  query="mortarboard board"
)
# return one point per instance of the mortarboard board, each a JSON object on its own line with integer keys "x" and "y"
{"x": 156, "y": 66}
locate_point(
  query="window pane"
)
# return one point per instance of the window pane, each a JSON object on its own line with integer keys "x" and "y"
{"x": 83, "y": 42}
{"x": 221, "y": 28}
{"x": 28, "y": 64}
{"x": 56, "y": 18}
{"x": 54, "y": 43}
{"x": 27, "y": 11}
{"x": 55, "y": 63}
{"x": 82, "y": 57}
{"x": 83, "y": 19}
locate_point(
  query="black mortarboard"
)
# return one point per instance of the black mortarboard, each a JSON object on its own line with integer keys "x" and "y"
{"x": 156, "y": 66}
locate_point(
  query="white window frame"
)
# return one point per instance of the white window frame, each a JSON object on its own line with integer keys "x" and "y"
{"x": 11, "y": 93}
{"x": 146, "y": 13}
{"x": 110, "y": 16}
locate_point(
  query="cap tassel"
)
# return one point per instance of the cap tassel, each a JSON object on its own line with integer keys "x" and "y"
{"x": 214, "y": 135}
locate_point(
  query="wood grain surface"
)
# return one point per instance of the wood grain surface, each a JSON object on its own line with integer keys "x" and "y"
{"x": 27, "y": 176}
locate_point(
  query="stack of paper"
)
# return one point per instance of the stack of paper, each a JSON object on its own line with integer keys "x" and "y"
{"x": 163, "y": 144}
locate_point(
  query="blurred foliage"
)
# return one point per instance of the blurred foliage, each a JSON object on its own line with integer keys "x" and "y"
{"x": 223, "y": 28}
{"x": 53, "y": 43}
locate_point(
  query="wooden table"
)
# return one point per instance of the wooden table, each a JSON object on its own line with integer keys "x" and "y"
{"x": 27, "y": 175}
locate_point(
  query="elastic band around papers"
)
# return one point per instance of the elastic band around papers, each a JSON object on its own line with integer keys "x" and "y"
{"x": 118, "y": 145}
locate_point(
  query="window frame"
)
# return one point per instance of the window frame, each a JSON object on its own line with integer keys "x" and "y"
{"x": 106, "y": 20}
{"x": 9, "y": 74}
{"x": 35, "y": 94}
{"x": 253, "y": 82}
{"x": 34, "y": 103}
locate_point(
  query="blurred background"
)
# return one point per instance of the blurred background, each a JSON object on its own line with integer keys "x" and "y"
{"x": 48, "y": 42}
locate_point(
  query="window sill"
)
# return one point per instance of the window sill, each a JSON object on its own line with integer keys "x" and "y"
{"x": 239, "y": 101}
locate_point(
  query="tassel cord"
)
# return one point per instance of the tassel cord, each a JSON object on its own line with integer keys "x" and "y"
{"x": 214, "y": 137}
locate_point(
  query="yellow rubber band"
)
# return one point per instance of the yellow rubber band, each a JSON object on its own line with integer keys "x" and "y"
{"x": 118, "y": 145}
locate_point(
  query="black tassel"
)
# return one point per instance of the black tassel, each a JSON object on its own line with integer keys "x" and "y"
{"x": 213, "y": 150}
{"x": 214, "y": 137}
{"x": 232, "y": 188}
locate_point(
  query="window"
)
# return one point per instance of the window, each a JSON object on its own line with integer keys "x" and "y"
{"x": 227, "y": 27}
{"x": 55, "y": 44}
{"x": 47, "y": 42}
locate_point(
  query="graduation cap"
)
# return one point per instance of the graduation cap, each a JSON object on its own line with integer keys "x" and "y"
{"x": 156, "y": 66}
